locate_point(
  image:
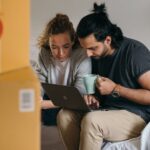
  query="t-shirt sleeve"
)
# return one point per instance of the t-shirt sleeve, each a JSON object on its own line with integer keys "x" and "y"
{"x": 140, "y": 61}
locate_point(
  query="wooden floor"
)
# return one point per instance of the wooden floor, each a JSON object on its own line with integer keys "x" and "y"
{"x": 50, "y": 139}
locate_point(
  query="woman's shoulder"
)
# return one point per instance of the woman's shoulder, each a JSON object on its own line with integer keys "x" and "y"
{"x": 44, "y": 52}
{"x": 45, "y": 56}
{"x": 79, "y": 56}
{"x": 79, "y": 52}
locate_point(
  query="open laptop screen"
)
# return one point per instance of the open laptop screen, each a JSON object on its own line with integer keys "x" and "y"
{"x": 65, "y": 96}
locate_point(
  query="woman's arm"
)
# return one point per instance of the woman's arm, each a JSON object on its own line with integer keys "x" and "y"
{"x": 83, "y": 68}
{"x": 47, "y": 104}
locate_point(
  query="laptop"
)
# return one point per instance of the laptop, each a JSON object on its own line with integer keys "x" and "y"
{"x": 65, "y": 96}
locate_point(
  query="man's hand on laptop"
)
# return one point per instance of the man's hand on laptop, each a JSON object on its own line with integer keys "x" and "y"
{"x": 91, "y": 101}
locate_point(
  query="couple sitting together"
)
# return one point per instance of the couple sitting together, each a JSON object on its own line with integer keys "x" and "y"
{"x": 122, "y": 95}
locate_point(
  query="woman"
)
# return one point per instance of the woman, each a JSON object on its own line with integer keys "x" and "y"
{"x": 61, "y": 60}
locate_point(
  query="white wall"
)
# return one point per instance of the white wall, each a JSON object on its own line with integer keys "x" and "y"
{"x": 133, "y": 16}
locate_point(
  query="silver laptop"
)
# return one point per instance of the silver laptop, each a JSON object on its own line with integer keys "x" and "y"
{"x": 65, "y": 96}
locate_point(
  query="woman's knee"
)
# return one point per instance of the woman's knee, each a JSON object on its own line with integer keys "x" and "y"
{"x": 66, "y": 117}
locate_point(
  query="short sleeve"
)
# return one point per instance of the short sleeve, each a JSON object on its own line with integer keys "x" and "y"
{"x": 140, "y": 61}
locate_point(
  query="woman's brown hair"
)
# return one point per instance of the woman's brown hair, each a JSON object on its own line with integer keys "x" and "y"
{"x": 59, "y": 24}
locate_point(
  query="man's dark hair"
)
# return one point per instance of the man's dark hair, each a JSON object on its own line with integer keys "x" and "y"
{"x": 98, "y": 23}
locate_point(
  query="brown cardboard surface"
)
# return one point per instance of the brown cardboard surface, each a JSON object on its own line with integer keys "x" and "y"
{"x": 19, "y": 130}
{"x": 14, "y": 40}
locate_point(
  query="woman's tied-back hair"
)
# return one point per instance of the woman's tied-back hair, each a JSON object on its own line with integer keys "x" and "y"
{"x": 98, "y": 23}
{"x": 59, "y": 24}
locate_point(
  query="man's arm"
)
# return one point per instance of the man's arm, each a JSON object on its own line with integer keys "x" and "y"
{"x": 141, "y": 96}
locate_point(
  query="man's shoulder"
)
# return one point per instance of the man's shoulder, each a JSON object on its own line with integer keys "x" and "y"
{"x": 132, "y": 46}
{"x": 132, "y": 43}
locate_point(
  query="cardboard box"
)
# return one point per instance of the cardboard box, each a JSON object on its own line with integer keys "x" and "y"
{"x": 15, "y": 38}
{"x": 19, "y": 86}
{"x": 19, "y": 110}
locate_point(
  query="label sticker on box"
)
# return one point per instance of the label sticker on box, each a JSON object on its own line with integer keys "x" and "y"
{"x": 26, "y": 100}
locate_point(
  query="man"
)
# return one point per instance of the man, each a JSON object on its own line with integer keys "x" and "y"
{"x": 123, "y": 90}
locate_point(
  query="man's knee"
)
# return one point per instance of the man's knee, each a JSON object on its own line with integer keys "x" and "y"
{"x": 88, "y": 122}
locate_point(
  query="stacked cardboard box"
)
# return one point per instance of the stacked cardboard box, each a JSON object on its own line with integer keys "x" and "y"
{"x": 19, "y": 86}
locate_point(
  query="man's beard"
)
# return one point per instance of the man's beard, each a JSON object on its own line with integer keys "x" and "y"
{"x": 96, "y": 57}
{"x": 104, "y": 54}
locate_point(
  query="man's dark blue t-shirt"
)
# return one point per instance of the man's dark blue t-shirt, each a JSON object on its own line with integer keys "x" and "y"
{"x": 124, "y": 67}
